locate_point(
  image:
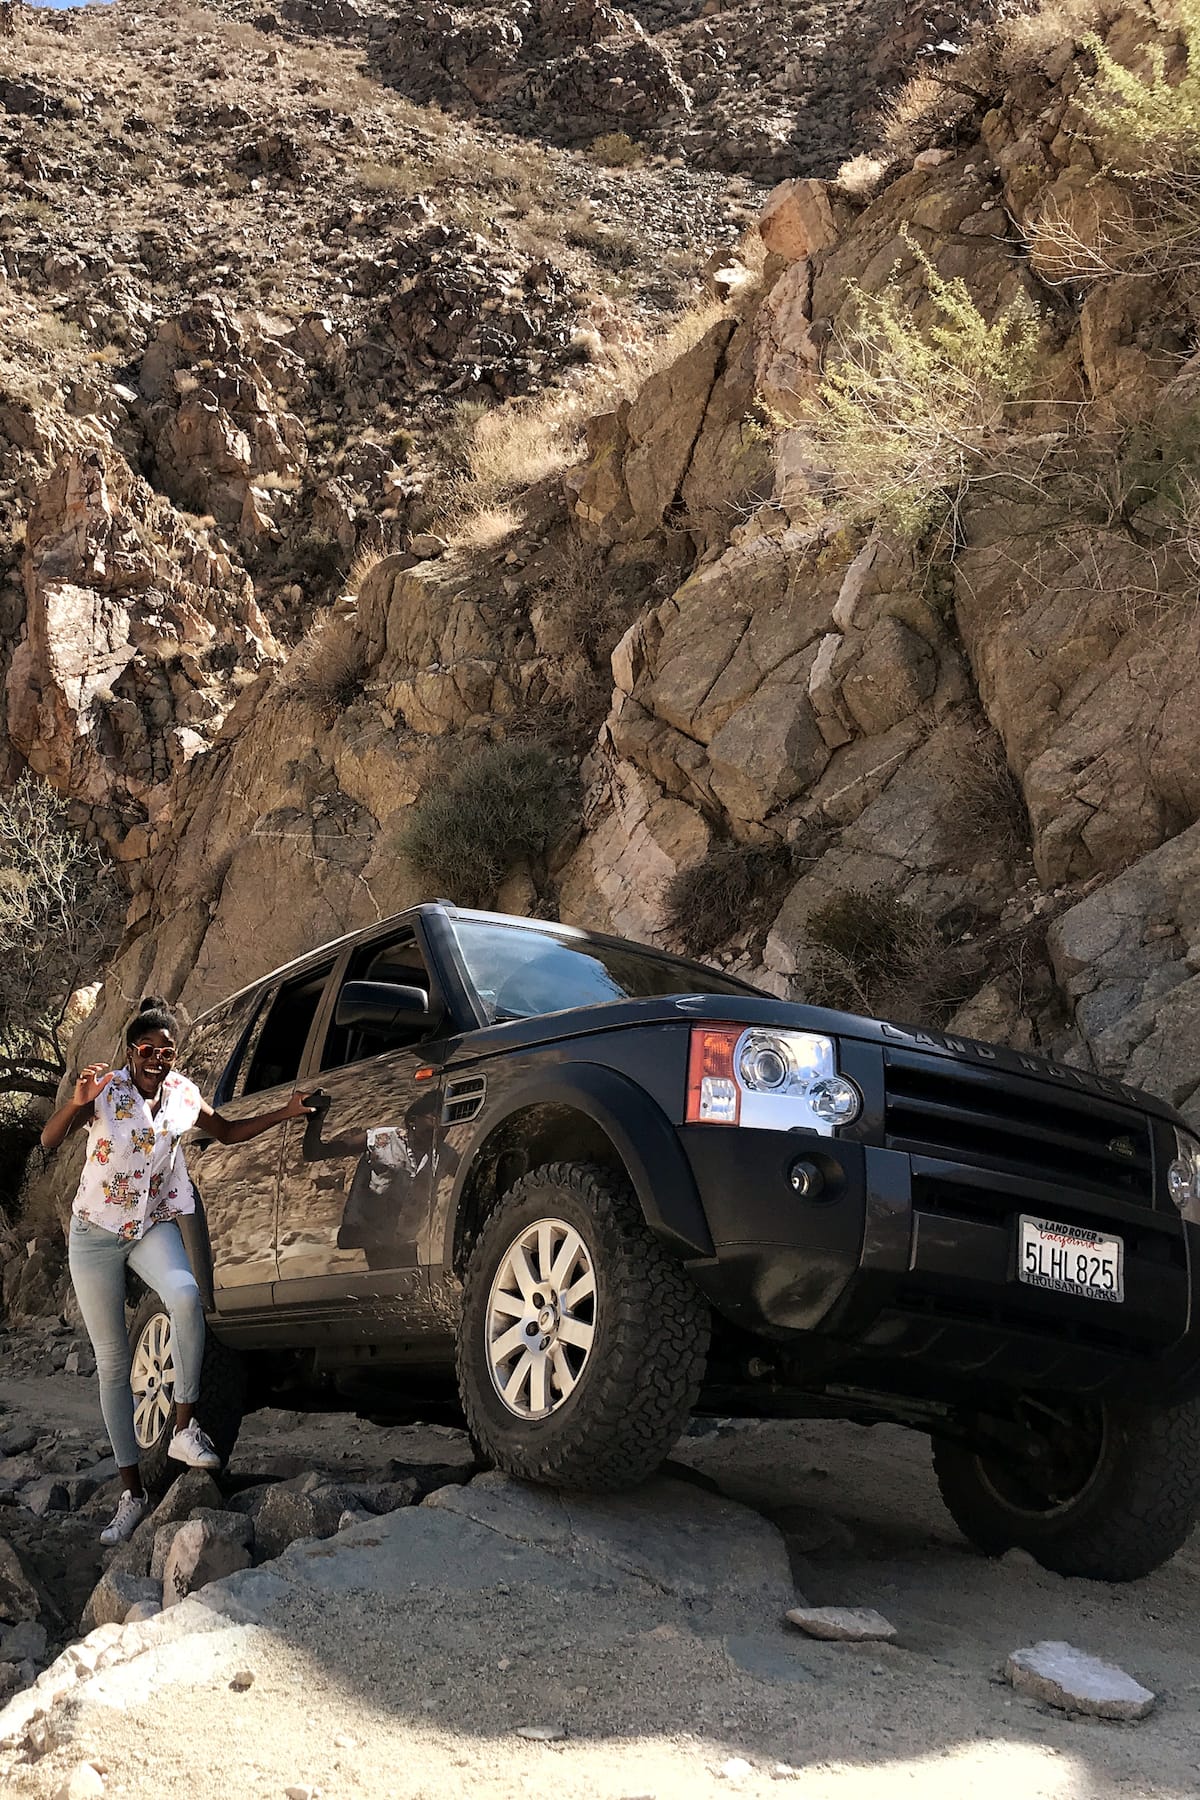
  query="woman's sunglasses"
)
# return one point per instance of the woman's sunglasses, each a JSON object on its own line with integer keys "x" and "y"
{"x": 165, "y": 1051}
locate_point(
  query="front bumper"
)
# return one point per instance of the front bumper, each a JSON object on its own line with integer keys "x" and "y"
{"x": 902, "y": 1273}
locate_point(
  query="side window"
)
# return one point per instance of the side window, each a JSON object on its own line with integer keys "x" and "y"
{"x": 213, "y": 1040}
{"x": 398, "y": 961}
{"x": 277, "y": 1044}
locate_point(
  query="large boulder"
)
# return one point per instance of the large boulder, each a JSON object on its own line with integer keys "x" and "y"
{"x": 309, "y": 1507}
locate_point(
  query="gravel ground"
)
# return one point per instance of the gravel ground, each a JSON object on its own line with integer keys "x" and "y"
{"x": 396, "y": 1666}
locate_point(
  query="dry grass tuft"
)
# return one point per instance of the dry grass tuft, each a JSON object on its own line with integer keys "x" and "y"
{"x": 495, "y": 455}
{"x": 485, "y": 529}
{"x": 328, "y": 667}
{"x": 362, "y": 566}
{"x": 862, "y": 177}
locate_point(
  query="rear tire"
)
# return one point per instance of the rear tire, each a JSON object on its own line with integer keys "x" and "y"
{"x": 620, "y": 1335}
{"x": 1106, "y": 1490}
{"x": 219, "y": 1407}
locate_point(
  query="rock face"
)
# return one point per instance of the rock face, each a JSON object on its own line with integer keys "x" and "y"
{"x": 127, "y": 617}
{"x": 987, "y": 729}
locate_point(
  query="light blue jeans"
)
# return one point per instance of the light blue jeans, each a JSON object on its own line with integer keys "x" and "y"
{"x": 97, "y": 1260}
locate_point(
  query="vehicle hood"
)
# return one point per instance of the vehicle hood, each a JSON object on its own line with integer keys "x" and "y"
{"x": 687, "y": 1009}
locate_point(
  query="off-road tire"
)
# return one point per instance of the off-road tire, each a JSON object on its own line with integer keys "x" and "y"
{"x": 1137, "y": 1509}
{"x": 647, "y": 1360}
{"x": 219, "y": 1408}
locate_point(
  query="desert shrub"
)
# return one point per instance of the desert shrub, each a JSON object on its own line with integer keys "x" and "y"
{"x": 1149, "y": 120}
{"x": 870, "y": 952}
{"x": 505, "y": 804}
{"x": 1145, "y": 122}
{"x": 904, "y": 412}
{"x": 60, "y": 919}
{"x": 617, "y": 150}
{"x": 736, "y": 888}
{"x": 988, "y": 802}
{"x": 328, "y": 667}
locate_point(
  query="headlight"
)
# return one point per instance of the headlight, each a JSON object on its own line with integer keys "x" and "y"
{"x": 771, "y": 1080}
{"x": 1183, "y": 1176}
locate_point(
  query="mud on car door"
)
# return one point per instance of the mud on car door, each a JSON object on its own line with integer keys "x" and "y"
{"x": 239, "y": 1180}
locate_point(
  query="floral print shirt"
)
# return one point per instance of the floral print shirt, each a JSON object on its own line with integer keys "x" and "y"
{"x": 135, "y": 1175}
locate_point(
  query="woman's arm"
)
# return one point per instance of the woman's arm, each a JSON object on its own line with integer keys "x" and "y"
{"x": 240, "y": 1131}
{"x": 78, "y": 1109}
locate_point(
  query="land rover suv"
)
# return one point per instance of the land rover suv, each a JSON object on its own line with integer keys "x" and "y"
{"x": 596, "y": 1187}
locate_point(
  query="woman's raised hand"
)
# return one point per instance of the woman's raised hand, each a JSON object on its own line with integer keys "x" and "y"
{"x": 93, "y": 1080}
{"x": 298, "y": 1107}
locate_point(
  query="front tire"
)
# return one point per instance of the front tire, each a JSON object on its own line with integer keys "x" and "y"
{"x": 219, "y": 1407}
{"x": 1104, "y": 1489}
{"x": 582, "y": 1342}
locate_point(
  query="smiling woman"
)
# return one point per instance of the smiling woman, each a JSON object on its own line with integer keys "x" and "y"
{"x": 133, "y": 1189}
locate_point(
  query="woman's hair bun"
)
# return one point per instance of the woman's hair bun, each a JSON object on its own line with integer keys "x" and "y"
{"x": 152, "y": 1014}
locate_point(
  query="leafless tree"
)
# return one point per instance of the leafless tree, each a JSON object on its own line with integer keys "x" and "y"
{"x": 60, "y": 916}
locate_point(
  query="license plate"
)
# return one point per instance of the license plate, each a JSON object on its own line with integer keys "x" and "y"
{"x": 1070, "y": 1259}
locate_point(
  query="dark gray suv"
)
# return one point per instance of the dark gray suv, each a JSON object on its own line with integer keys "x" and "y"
{"x": 590, "y": 1187}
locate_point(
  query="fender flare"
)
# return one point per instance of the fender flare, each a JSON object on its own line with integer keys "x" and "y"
{"x": 640, "y": 1133}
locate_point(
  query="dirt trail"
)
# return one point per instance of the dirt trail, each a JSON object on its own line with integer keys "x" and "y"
{"x": 400, "y": 1658}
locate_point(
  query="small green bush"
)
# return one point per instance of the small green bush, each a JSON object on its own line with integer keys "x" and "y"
{"x": 617, "y": 150}
{"x": 736, "y": 888}
{"x": 506, "y": 804}
{"x": 904, "y": 412}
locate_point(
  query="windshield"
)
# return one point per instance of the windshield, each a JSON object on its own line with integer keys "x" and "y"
{"x": 521, "y": 972}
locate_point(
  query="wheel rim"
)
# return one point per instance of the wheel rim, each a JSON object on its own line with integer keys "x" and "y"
{"x": 541, "y": 1319}
{"x": 152, "y": 1379}
{"x": 1065, "y": 1447}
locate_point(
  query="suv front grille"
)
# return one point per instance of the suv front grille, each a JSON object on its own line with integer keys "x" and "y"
{"x": 1014, "y": 1126}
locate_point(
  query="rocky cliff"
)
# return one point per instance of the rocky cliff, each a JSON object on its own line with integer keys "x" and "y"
{"x": 976, "y": 736}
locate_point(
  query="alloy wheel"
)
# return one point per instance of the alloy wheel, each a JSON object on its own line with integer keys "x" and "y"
{"x": 152, "y": 1379}
{"x": 541, "y": 1318}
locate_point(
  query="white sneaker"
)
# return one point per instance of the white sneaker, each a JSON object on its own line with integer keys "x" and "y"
{"x": 126, "y": 1519}
{"x": 194, "y": 1447}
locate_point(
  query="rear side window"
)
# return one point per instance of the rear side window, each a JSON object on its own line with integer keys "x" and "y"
{"x": 212, "y": 1042}
{"x": 276, "y": 1048}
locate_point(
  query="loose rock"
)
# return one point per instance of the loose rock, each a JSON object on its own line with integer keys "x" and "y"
{"x": 842, "y": 1624}
{"x": 1076, "y": 1682}
{"x": 202, "y": 1552}
{"x": 83, "y": 1783}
